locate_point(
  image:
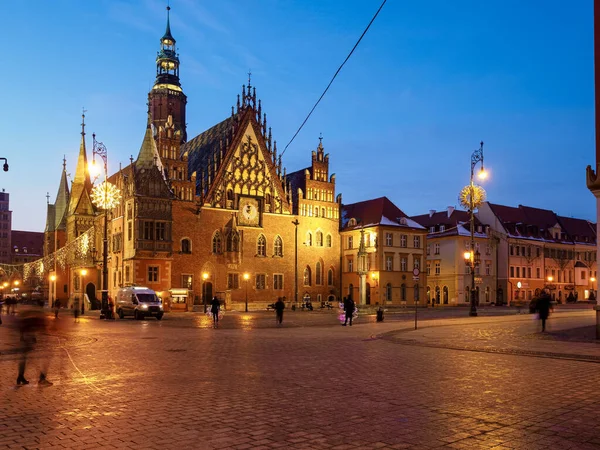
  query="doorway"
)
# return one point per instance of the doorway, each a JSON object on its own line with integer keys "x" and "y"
{"x": 207, "y": 292}
{"x": 90, "y": 290}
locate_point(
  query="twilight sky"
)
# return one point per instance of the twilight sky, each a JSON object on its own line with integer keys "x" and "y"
{"x": 428, "y": 82}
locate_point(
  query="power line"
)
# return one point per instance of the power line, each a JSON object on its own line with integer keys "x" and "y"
{"x": 334, "y": 76}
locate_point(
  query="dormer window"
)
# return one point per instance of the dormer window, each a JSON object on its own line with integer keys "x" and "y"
{"x": 402, "y": 221}
{"x": 352, "y": 222}
{"x": 442, "y": 228}
{"x": 432, "y": 229}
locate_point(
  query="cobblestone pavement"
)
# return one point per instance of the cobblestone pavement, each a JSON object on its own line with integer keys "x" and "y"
{"x": 310, "y": 384}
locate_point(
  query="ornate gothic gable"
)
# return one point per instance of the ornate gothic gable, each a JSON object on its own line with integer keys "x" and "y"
{"x": 237, "y": 156}
{"x": 150, "y": 182}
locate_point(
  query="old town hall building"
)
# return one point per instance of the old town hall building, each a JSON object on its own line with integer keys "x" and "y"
{"x": 214, "y": 215}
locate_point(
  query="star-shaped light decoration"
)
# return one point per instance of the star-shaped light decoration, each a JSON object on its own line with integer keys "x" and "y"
{"x": 106, "y": 195}
{"x": 465, "y": 196}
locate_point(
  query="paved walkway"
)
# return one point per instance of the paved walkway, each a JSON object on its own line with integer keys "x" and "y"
{"x": 180, "y": 383}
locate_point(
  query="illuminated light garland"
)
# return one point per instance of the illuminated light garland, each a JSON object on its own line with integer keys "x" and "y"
{"x": 106, "y": 195}
{"x": 465, "y": 196}
{"x": 77, "y": 253}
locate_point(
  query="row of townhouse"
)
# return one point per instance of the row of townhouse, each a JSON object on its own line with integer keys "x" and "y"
{"x": 388, "y": 258}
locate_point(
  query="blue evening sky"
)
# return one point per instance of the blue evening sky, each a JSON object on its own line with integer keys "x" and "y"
{"x": 430, "y": 80}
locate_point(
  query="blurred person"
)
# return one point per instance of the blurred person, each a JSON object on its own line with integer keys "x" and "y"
{"x": 214, "y": 309}
{"x": 279, "y": 307}
{"x": 57, "y": 304}
{"x": 543, "y": 307}
{"x": 349, "y": 309}
{"x": 32, "y": 323}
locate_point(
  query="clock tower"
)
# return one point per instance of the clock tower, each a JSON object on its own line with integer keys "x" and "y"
{"x": 166, "y": 98}
{"x": 167, "y": 103}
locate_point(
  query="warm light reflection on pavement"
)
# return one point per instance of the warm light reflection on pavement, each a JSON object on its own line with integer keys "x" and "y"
{"x": 308, "y": 384}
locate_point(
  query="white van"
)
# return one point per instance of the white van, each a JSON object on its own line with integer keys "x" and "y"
{"x": 138, "y": 302}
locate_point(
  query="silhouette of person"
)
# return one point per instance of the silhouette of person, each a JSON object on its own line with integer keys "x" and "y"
{"x": 214, "y": 309}
{"x": 543, "y": 308}
{"x": 279, "y": 307}
{"x": 349, "y": 309}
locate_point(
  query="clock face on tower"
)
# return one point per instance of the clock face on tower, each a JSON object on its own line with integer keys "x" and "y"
{"x": 249, "y": 212}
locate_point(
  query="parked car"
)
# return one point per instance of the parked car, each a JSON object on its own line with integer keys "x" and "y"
{"x": 138, "y": 302}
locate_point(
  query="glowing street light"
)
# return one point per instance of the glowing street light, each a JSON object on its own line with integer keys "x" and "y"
{"x": 471, "y": 197}
{"x": 246, "y": 278}
{"x": 105, "y": 196}
{"x": 204, "y": 277}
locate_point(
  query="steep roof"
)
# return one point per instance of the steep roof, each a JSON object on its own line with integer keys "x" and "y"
{"x": 82, "y": 185}
{"x": 378, "y": 211}
{"x": 535, "y": 223}
{"x": 148, "y": 156}
{"x": 579, "y": 230}
{"x": 451, "y": 222}
{"x": 204, "y": 148}
{"x": 61, "y": 203}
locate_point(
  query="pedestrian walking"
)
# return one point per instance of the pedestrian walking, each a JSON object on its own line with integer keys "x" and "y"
{"x": 76, "y": 308}
{"x": 31, "y": 324}
{"x": 214, "y": 309}
{"x": 56, "y": 308}
{"x": 543, "y": 307}
{"x": 111, "y": 308}
{"x": 279, "y": 307}
{"x": 349, "y": 309}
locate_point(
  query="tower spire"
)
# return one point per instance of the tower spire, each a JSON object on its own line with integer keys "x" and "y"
{"x": 83, "y": 111}
{"x": 168, "y": 30}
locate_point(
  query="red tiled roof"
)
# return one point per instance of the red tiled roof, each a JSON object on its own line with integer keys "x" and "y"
{"x": 371, "y": 212}
{"x": 579, "y": 230}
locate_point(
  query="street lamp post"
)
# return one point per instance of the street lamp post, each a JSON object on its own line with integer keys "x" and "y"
{"x": 83, "y": 274}
{"x": 52, "y": 290}
{"x": 106, "y": 196}
{"x": 246, "y": 277}
{"x": 204, "y": 277}
{"x": 472, "y": 196}
{"x": 296, "y": 223}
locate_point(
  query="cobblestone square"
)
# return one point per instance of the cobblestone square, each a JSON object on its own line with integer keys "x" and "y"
{"x": 488, "y": 382}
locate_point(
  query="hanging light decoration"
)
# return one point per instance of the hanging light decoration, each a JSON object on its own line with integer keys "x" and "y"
{"x": 106, "y": 195}
{"x": 465, "y": 196}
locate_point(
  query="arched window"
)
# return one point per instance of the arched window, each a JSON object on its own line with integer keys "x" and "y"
{"x": 316, "y": 211}
{"x": 437, "y": 295}
{"x": 323, "y": 211}
{"x": 319, "y": 239}
{"x": 233, "y": 241}
{"x": 388, "y": 292}
{"x": 278, "y": 246}
{"x": 229, "y": 194}
{"x": 445, "y": 295}
{"x": 186, "y": 246}
{"x": 261, "y": 247}
{"x": 308, "y": 239}
{"x": 330, "y": 277}
{"x": 416, "y": 293}
{"x": 328, "y": 241}
{"x": 403, "y": 292}
{"x": 318, "y": 274}
{"x": 217, "y": 247}
{"x": 307, "y": 277}
{"x": 352, "y": 222}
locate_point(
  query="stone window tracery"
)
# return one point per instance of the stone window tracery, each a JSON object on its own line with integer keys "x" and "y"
{"x": 261, "y": 248}
{"x": 216, "y": 243}
{"x": 278, "y": 246}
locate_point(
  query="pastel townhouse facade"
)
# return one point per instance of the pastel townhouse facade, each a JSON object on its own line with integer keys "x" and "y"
{"x": 538, "y": 249}
{"x": 383, "y": 254}
{"x": 449, "y": 279}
